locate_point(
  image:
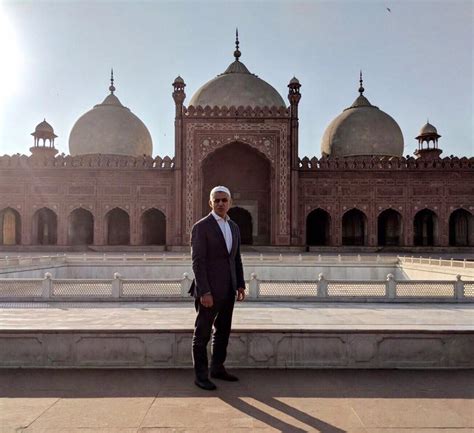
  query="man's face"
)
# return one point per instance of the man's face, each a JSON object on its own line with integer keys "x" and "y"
{"x": 220, "y": 203}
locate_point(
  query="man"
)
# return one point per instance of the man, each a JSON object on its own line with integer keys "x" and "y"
{"x": 218, "y": 280}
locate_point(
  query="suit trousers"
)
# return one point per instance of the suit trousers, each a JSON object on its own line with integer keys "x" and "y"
{"x": 219, "y": 316}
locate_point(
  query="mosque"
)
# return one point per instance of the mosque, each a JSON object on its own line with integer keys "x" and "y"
{"x": 236, "y": 130}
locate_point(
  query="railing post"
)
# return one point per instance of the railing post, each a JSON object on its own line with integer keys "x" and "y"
{"x": 47, "y": 286}
{"x": 452, "y": 262}
{"x": 253, "y": 286}
{"x": 322, "y": 287}
{"x": 459, "y": 288}
{"x": 320, "y": 258}
{"x": 390, "y": 287}
{"x": 359, "y": 258}
{"x": 185, "y": 285}
{"x": 117, "y": 286}
{"x": 378, "y": 258}
{"x": 339, "y": 259}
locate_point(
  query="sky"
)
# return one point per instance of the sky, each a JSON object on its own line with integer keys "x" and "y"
{"x": 416, "y": 58}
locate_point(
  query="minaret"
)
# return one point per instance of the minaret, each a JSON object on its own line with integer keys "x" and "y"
{"x": 43, "y": 131}
{"x": 294, "y": 97}
{"x": 428, "y": 134}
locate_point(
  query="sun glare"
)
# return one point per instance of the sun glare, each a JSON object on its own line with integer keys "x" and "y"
{"x": 12, "y": 58}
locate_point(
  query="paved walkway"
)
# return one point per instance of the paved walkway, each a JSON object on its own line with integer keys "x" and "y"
{"x": 264, "y": 401}
{"x": 248, "y": 316}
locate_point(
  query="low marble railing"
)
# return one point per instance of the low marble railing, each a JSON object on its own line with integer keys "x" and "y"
{"x": 20, "y": 261}
{"x": 120, "y": 289}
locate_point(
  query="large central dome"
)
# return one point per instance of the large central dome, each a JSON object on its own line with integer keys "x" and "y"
{"x": 237, "y": 87}
{"x": 110, "y": 128}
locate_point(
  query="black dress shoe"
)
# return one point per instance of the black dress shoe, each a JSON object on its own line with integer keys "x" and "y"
{"x": 223, "y": 375}
{"x": 205, "y": 384}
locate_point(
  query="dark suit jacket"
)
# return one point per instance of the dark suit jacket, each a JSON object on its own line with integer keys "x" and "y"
{"x": 215, "y": 270}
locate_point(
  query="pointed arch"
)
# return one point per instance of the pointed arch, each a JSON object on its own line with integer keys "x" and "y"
{"x": 247, "y": 172}
{"x": 117, "y": 223}
{"x": 354, "y": 228}
{"x": 425, "y": 228}
{"x": 318, "y": 227}
{"x": 461, "y": 228}
{"x": 389, "y": 228}
{"x": 153, "y": 223}
{"x": 45, "y": 227}
{"x": 80, "y": 227}
{"x": 10, "y": 227}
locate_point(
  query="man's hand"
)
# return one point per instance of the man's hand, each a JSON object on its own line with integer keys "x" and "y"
{"x": 240, "y": 294}
{"x": 207, "y": 300}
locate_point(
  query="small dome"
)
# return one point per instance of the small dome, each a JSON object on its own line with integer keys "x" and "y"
{"x": 44, "y": 127}
{"x": 44, "y": 130}
{"x": 110, "y": 128}
{"x": 237, "y": 87}
{"x": 294, "y": 80}
{"x": 362, "y": 130}
{"x": 428, "y": 128}
{"x": 179, "y": 80}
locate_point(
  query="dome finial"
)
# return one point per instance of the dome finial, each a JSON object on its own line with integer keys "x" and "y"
{"x": 361, "y": 88}
{"x": 237, "y": 53}
{"x": 112, "y": 87}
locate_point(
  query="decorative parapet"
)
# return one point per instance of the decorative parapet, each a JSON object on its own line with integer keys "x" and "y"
{"x": 385, "y": 163}
{"x": 86, "y": 161}
{"x": 231, "y": 112}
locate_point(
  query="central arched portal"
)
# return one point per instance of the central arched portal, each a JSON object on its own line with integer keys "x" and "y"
{"x": 247, "y": 173}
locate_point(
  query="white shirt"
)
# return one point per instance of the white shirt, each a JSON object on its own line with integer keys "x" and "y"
{"x": 225, "y": 229}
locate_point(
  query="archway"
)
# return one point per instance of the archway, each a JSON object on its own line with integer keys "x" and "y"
{"x": 247, "y": 173}
{"x": 389, "y": 225}
{"x": 153, "y": 227}
{"x": 354, "y": 228}
{"x": 318, "y": 227}
{"x": 461, "y": 228}
{"x": 118, "y": 227}
{"x": 81, "y": 227}
{"x": 243, "y": 219}
{"x": 10, "y": 227}
{"x": 425, "y": 228}
{"x": 45, "y": 227}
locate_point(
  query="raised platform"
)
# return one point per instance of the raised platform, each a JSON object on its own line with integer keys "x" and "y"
{"x": 266, "y": 335}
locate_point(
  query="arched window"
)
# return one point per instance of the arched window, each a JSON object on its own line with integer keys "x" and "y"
{"x": 153, "y": 227}
{"x": 81, "y": 227}
{"x": 118, "y": 227}
{"x": 318, "y": 227}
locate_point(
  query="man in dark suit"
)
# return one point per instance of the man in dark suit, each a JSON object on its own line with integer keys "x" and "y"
{"x": 218, "y": 281}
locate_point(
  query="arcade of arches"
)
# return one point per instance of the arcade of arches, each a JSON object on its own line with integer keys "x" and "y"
{"x": 319, "y": 226}
{"x": 390, "y": 228}
{"x": 80, "y": 227}
{"x": 247, "y": 173}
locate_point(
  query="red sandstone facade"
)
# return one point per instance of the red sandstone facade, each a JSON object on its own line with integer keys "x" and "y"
{"x": 96, "y": 201}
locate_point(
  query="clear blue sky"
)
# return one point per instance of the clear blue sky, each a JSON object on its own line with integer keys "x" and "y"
{"x": 417, "y": 61}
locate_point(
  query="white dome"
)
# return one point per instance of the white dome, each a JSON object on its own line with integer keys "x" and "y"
{"x": 237, "y": 87}
{"x": 110, "y": 128}
{"x": 362, "y": 130}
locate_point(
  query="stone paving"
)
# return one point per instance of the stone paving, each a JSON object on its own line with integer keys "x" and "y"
{"x": 264, "y": 401}
{"x": 247, "y": 316}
